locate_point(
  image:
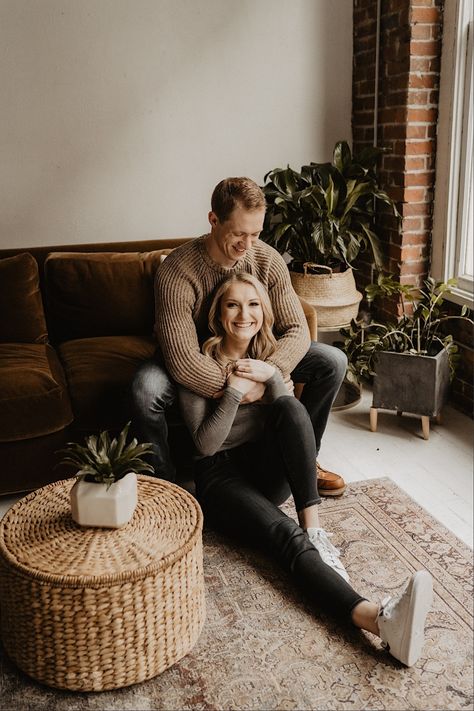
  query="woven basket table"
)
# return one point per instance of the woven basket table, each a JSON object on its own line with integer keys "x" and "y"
{"x": 89, "y": 609}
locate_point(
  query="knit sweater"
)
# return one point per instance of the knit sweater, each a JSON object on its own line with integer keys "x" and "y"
{"x": 221, "y": 424}
{"x": 184, "y": 285}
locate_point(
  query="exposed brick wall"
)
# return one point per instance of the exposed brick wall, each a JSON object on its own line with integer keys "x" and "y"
{"x": 409, "y": 64}
{"x": 407, "y": 114}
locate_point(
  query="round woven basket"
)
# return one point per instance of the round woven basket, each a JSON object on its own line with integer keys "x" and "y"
{"x": 93, "y": 609}
{"x": 334, "y": 295}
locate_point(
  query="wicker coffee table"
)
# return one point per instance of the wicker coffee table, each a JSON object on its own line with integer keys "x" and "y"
{"x": 93, "y": 609}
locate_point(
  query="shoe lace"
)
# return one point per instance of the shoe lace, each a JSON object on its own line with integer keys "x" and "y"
{"x": 330, "y": 549}
{"x": 388, "y": 605}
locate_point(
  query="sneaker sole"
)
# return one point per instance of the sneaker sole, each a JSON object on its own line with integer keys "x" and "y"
{"x": 421, "y": 598}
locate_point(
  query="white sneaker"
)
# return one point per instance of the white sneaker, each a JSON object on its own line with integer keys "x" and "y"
{"x": 329, "y": 553}
{"x": 402, "y": 618}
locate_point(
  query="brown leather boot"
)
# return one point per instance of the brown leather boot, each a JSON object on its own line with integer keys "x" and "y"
{"x": 329, "y": 483}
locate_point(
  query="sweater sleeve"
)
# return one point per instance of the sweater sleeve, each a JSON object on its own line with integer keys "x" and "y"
{"x": 275, "y": 387}
{"x": 291, "y": 328}
{"x": 209, "y": 421}
{"x": 175, "y": 330}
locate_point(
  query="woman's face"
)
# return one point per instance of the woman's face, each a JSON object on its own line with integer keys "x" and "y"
{"x": 241, "y": 312}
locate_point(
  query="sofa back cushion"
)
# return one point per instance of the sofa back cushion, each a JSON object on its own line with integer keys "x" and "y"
{"x": 101, "y": 293}
{"x": 22, "y": 318}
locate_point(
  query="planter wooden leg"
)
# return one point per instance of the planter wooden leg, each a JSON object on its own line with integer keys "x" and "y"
{"x": 425, "y": 424}
{"x": 373, "y": 419}
{"x": 439, "y": 419}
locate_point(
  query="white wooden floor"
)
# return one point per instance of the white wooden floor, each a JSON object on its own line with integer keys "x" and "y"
{"x": 437, "y": 473}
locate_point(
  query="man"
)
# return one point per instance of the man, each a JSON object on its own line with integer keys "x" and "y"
{"x": 184, "y": 285}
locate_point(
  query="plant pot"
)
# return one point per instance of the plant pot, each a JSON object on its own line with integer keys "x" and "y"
{"x": 92, "y": 504}
{"x": 334, "y": 295}
{"x": 418, "y": 384}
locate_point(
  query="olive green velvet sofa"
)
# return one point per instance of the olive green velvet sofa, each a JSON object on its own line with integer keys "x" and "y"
{"x": 75, "y": 324}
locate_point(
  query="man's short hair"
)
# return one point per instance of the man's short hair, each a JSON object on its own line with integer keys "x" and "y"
{"x": 233, "y": 192}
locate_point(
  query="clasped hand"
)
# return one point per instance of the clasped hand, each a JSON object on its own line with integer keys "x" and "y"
{"x": 249, "y": 377}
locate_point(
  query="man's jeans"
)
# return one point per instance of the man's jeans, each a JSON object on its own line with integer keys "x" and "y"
{"x": 322, "y": 371}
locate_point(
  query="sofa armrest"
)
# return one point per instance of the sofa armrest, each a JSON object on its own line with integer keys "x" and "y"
{"x": 311, "y": 318}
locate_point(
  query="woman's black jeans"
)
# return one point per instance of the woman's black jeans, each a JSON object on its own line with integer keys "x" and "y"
{"x": 240, "y": 490}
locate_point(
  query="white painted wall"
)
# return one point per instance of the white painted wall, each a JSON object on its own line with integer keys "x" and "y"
{"x": 119, "y": 116}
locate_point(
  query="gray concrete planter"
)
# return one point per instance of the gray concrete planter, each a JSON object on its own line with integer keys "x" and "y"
{"x": 417, "y": 384}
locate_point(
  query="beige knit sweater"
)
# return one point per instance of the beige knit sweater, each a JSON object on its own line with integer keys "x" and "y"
{"x": 184, "y": 285}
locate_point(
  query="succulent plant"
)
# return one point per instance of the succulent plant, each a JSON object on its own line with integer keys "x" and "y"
{"x": 105, "y": 460}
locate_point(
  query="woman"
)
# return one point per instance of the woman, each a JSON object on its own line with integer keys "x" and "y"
{"x": 251, "y": 457}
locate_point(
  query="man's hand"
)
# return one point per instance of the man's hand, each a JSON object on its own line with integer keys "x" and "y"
{"x": 251, "y": 390}
{"x": 256, "y": 370}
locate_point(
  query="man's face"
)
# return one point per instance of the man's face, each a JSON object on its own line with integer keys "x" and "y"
{"x": 230, "y": 241}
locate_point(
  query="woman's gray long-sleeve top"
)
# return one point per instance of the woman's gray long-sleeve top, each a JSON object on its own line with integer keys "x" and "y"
{"x": 221, "y": 424}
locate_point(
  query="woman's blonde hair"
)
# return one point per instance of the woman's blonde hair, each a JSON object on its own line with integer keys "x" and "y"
{"x": 263, "y": 343}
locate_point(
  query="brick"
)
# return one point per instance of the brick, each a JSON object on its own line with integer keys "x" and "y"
{"x": 421, "y": 64}
{"x": 411, "y": 239}
{"x": 415, "y": 195}
{"x": 394, "y": 131}
{"x": 419, "y": 115}
{"x": 393, "y": 163}
{"x": 416, "y": 131}
{"x": 412, "y": 253}
{"x": 423, "y": 81}
{"x": 418, "y": 97}
{"x": 425, "y": 15}
{"x": 396, "y": 98}
{"x": 366, "y": 87}
{"x": 391, "y": 115}
{"x": 413, "y": 209}
{"x": 393, "y": 68}
{"x": 419, "y": 179}
{"x": 419, "y": 147}
{"x": 365, "y": 103}
{"x": 425, "y": 49}
{"x": 397, "y": 83}
{"x": 415, "y": 163}
{"x": 412, "y": 224}
{"x": 367, "y": 28}
{"x": 421, "y": 32}
{"x": 413, "y": 268}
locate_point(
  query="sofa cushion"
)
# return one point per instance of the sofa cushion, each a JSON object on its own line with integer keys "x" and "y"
{"x": 101, "y": 293}
{"x": 99, "y": 372}
{"x": 22, "y": 317}
{"x": 33, "y": 395}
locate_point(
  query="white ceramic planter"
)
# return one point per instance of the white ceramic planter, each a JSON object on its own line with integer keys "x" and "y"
{"x": 93, "y": 504}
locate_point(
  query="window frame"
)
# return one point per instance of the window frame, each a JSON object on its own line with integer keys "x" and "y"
{"x": 454, "y": 160}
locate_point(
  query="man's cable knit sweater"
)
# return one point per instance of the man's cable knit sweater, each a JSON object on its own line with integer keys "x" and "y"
{"x": 184, "y": 286}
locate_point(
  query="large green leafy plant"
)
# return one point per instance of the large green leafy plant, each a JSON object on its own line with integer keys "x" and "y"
{"x": 419, "y": 331}
{"x": 105, "y": 460}
{"x": 324, "y": 214}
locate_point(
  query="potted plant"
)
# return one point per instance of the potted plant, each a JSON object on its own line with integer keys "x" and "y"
{"x": 411, "y": 361}
{"x": 105, "y": 493}
{"x": 322, "y": 217}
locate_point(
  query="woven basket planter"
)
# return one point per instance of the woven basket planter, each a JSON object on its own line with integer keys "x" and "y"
{"x": 91, "y": 609}
{"x": 334, "y": 295}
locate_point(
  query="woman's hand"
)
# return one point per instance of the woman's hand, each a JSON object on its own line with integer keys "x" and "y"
{"x": 243, "y": 385}
{"x": 256, "y": 370}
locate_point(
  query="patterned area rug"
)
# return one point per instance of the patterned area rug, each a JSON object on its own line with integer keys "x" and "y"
{"x": 265, "y": 647}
